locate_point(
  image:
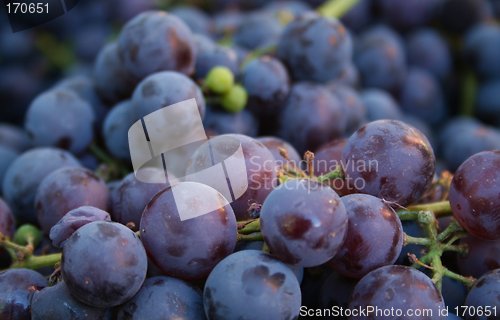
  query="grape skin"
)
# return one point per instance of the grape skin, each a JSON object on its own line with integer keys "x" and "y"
{"x": 66, "y": 189}
{"x": 394, "y": 160}
{"x": 482, "y": 256}
{"x": 303, "y": 222}
{"x": 397, "y": 287}
{"x": 251, "y": 285}
{"x": 163, "y": 298}
{"x": 485, "y": 293}
{"x": 115, "y": 129}
{"x": 187, "y": 249}
{"x": 374, "y": 236}
{"x": 121, "y": 261}
{"x": 474, "y": 195}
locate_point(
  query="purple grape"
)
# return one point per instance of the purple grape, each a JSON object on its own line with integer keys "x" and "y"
{"x": 222, "y": 122}
{"x": 7, "y": 223}
{"x": 260, "y": 170}
{"x": 26, "y": 173}
{"x": 163, "y": 298}
{"x": 303, "y": 222}
{"x": 399, "y": 287}
{"x": 7, "y": 156}
{"x": 374, "y": 236}
{"x": 482, "y": 48}
{"x": 16, "y": 289}
{"x": 474, "y": 195}
{"x": 256, "y": 30}
{"x": 112, "y": 81}
{"x": 210, "y": 55}
{"x": 66, "y": 189}
{"x": 115, "y": 129}
{"x": 315, "y": 48}
{"x": 131, "y": 197}
{"x": 484, "y": 294}
{"x": 188, "y": 249}
{"x": 482, "y": 256}
{"x": 352, "y": 104}
{"x": 359, "y": 16}
{"x": 312, "y": 117}
{"x": 380, "y": 105}
{"x": 408, "y": 14}
{"x": 60, "y": 118}
{"x": 488, "y": 102}
{"x": 121, "y": 261}
{"x": 390, "y": 160}
{"x": 197, "y": 20}
{"x": 162, "y": 89}
{"x": 154, "y": 41}
{"x": 56, "y": 302}
{"x": 74, "y": 220}
{"x": 274, "y": 144}
{"x": 250, "y": 284}
{"x": 14, "y": 138}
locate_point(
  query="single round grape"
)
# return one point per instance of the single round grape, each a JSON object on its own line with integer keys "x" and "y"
{"x": 474, "y": 195}
{"x": 397, "y": 287}
{"x": 188, "y": 249}
{"x": 131, "y": 197}
{"x": 259, "y": 164}
{"x": 374, "y": 236}
{"x": 303, "y": 222}
{"x": 257, "y": 30}
{"x": 352, "y": 104}
{"x": 274, "y": 144}
{"x": 250, "y": 284}
{"x": 390, "y": 160}
{"x": 484, "y": 293}
{"x": 235, "y": 99}
{"x": 163, "y": 298}
{"x": 315, "y": 48}
{"x": 56, "y": 302}
{"x": 66, "y": 189}
{"x": 60, "y": 118}
{"x": 219, "y": 80}
{"x": 103, "y": 264}
{"x": 162, "y": 89}
{"x": 73, "y": 220}
{"x": 482, "y": 256}
{"x": 26, "y": 173}
{"x": 380, "y": 105}
{"x": 16, "y": 289}
{"x": 481, "y": 47}
{"x": 154, "y": 41}
{"x": 115, "y": 129}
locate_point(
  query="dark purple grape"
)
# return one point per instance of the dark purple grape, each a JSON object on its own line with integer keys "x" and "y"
{"x": 349, "y": 76}
{"x": 488, "y": 102}
{"x": 374, "y": 236}
{"x": 260, "y": 170}
{"x": 26, "y": 173}
{"x": 131, "y": 197}
{"x": 210, "y": 55}
{"x": 188, "y": 249}
{"x": 484, "y": 296}
{"x": 163, "y": 298}
{"x": 303, "y": 222}
{"x": 453, "y": 293}
{"x": 250, "y": 284}
{"x": 115, "y": 129}
{"x": 482, "y": 48}
{"x": 312, "y": 117}
{"x": 408, "y": 14}
{"x": 7, "y": 223}
{"x": 74, "y": 220}
{"x": 16, "y": 289}
{"x": 267, "y": 83}
{"x": 353, "y": 106}
{"x": 66, "y": 189}
{"x": 154, "y": 41}
{"x": 197, "y": 20}
{"x": 474, "y": 195}
{"x": 390, "y": 160}
{"x": 56, "y": 302}
{"x": 112, "y": 81}
{"x": 103, "y": 264}
{"x": 162, "y": 89}
{"x": 257, "y": 30}
{"x": 315, "y": 48}
{"x": 14, "y": 138}
{"x": 222, "y": 122}
{"x": 380, "y": 58}
{"x": 7, "y": 156}
{"x": 482, "y": 256}
{"x": 421, "y": 96}
{"x": 60, "y": 118}
{"x": 274, "y": 144}
{"x": 380, "y": 105}
{"x": 437, "y": 61}
{"x": 397, "y": 288}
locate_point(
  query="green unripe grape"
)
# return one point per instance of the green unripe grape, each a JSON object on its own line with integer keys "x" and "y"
{"x": 219, "y": 80}
{"x": 26, "y": 232}
{"x": 235, "y": 100}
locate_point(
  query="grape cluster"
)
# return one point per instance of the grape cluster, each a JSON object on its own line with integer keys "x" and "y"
{"x": 370, "y": 150}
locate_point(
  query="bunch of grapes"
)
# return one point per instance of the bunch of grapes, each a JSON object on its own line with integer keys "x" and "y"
{"x": 368, "y": 133}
